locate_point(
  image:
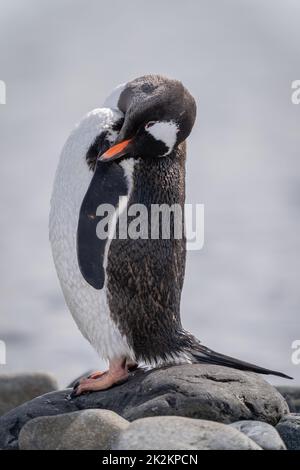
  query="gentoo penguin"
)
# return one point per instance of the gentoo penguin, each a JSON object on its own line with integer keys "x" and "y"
{"x": 124, "y": 293}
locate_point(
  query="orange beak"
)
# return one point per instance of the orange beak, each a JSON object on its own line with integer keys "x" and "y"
{"x": 116, "y": 151}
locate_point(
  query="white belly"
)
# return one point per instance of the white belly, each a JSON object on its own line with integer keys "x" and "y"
{"x": 88, "y": 306}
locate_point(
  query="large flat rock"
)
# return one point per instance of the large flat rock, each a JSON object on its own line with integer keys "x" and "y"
{"x": 193, "y": 390}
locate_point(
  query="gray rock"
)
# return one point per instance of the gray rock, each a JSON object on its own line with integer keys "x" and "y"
{"x": 177, "y": 433}
{"x": 292, "y": 397}
{"x": 192, "y": 390}
{"x": 82, "y": 430}
{"x": 16, "y": 389}
{"x": 289, "y": 430}
{"x": 263, "y": 434}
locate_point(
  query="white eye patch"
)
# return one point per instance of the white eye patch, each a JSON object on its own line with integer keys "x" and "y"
{"x": 165, "y": 131}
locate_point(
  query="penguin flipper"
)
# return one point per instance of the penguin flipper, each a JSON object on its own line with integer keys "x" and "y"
{"x": 202, "y": 354}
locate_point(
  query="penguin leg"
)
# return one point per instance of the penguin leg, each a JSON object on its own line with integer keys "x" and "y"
{"x": 131, "y": 366}
{"x": 116, "y": 374}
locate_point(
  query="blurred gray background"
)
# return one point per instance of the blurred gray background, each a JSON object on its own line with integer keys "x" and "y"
{"x": 60, "y": 59}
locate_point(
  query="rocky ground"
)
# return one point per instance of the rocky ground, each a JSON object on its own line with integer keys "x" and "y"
{"x": 189, "y": 407}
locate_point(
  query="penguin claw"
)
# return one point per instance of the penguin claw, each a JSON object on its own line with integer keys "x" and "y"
{"x": 73, "y": 394}
{"x": 76, "y": 384}
{"x": 76, "y": 392}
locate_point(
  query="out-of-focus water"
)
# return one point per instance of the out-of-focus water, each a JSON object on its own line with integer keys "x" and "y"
{"x": 60, "y": 59}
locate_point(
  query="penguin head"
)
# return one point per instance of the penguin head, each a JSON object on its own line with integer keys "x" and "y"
{"x": 159, "y": 114}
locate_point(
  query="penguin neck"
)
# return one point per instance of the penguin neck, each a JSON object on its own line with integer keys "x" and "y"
{"x": 160, "y": 180}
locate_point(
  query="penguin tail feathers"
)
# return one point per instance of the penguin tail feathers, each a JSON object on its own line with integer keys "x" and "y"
{"x": 202, "y": 354}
